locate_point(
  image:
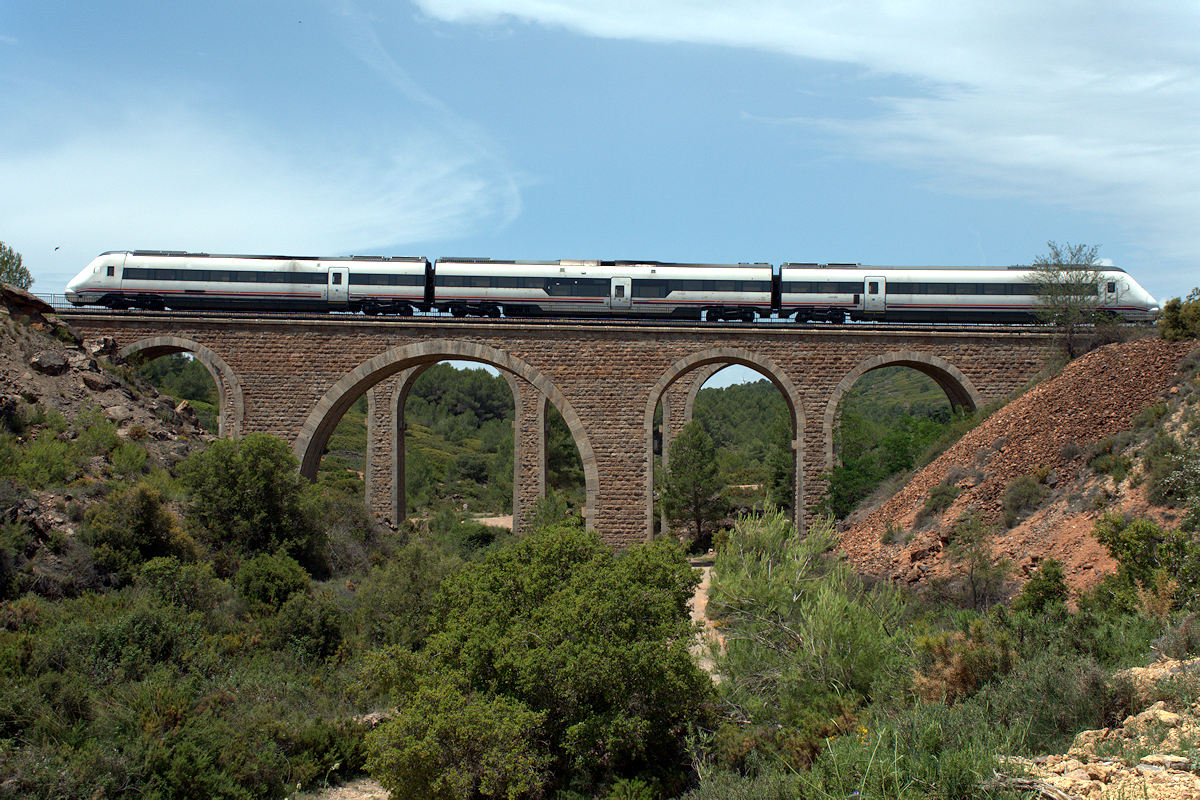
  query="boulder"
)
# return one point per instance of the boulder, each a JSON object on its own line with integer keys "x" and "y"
{"x": 97, "y": 381}
{"x": 82, "y": 363}
{"x": 103, "y": 346}
{"x": 118, "y": 414}
{"x": 49, "y": 362}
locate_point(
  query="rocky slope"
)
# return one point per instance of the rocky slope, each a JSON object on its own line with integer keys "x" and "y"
{"x": 46, "y": 368}
{"x": 1140, "y": 758}
{"x": 1046, "y": 434}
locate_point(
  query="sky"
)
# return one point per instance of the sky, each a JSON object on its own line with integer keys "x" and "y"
{"x": 880, "y": 132}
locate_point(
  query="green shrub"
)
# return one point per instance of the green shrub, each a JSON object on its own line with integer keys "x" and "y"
{"x": 805, "y": 640}
{"x": 446, "y": 744}
{"x": 130, "y": 527}
{"x": 191, "y": 586}
{"x": 247, "y": 498}
{"x": 596, "y": 641}
{"x": 1180, "y": 320}
{"x": 1107, "y": 457}
{"x": 43, "y": 462}
{"x": 940, "y": 498}
{"x": 311, "y": 626}
{"x": 1046, "y": 587}
{"x": 96, "y": 435}
{"x": 269, "y": 580}
{"x": 1162, "y": 458}
{"x": 396, "y": 598}
{"x": 1023, "y": 494}
{"x": 129, "y": 459}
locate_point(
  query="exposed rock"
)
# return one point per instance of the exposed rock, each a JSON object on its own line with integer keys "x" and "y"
{"x": 48, "y": 362}
{"x": 118, "y": 414}
{"x": 97, "y": 381}
{"x": 102, "y": 346}
{"x": 25, "y": 301}
{"x": 82, "y": 363}
{"x": 185, "y": 410}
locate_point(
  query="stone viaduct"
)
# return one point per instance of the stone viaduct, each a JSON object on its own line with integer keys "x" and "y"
{"x": 296, "y": 376}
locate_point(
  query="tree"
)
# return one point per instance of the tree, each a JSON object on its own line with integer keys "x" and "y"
{"x": 693, "y": 493}
{"x": 12, "y": 270}
{"x": 1068, "y": 280}
{"x": 1180, "y": 319}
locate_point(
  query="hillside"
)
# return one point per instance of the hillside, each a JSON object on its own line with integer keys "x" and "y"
{"x": 1055, "y": 443}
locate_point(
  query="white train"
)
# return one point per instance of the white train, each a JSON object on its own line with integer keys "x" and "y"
{"x": 486, "y": 287}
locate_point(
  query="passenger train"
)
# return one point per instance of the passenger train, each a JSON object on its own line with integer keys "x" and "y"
{"x": 646, "y": 289}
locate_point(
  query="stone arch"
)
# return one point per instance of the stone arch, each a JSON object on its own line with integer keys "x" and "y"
{"x": 958, "y": 387}
{"x": 726, "y": 356}
{"x": 230, "y": 399}
{"x": 315, "y": 432}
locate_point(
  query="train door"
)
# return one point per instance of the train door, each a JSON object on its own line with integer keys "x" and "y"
{"x": 874, "y": 294}
{"x": 619, "y": 293}
{"x": 1108, "y": 291}
{"x": 337, "y": 285}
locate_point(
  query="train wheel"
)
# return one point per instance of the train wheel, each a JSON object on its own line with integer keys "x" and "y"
{"x": 747, "y": 316}
{"x": 370, "y": 309}
{"x": 712, "y": 315}
{"x": 492, "y": 311}
{"x": 458, "y": 311}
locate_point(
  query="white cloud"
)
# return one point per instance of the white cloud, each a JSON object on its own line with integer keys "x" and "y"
{"x": 176, "y": 179}
{"x": 1090, "y": 106}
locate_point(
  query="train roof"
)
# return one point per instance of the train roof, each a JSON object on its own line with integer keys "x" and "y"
{"x": 945, "y": 268}
{"x": 263, "y": 257}
{"x": 567, "y": 262}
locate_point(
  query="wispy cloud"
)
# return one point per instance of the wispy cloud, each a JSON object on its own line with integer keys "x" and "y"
{"x": 177, "y": 179}
{"x": 1092, "y": 107}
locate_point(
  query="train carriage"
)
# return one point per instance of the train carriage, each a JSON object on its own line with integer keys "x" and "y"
{"x": 648, "y": 289}
{"x": 612, "y": 288}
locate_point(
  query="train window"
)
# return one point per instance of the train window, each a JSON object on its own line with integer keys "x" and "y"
{"x": 532, "y": 283}
{"x": 650, "y": 288}
{"x": 620, "y": 290}
{"x": 1112, "y": 286}
{"x": 481, "y": 281}
{"x": 873, "y": 286}
{"x": 112, "y": 271}
{"x": 336, "y": 278}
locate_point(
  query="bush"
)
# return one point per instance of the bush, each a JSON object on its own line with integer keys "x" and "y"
{"x": 1046, "y": 587}
{"x": 395, "y": 600}
{"x": 805, "y": 640}
{"x": 940, "y": 498}
{"x": 130, "y": 527}
{"x": 310, "y": 626}
{"x": 1022, "y": 495}
{"x": 194, "y": 587}
{"x": 1107, "y": 457}
{"x": 598, "y": 642}
{"x": 1180, "y": 320}
{"x": 247, "y": 498}
{"x": 129, "y": 459}
{"x": 446, "y": 744}
{"x": 268, "y": 580}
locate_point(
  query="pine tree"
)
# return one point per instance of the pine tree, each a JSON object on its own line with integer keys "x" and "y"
{"x": 693, "y": 493}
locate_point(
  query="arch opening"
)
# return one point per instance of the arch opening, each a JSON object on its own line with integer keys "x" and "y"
{"x": 229, "y": 406}
{"x": 420, "y": 357}
{"x": 673, "y": 402}
{"x": 884, "y": 419}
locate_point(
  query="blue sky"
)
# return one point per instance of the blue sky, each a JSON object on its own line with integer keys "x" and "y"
{"x": 677, "y": 130}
